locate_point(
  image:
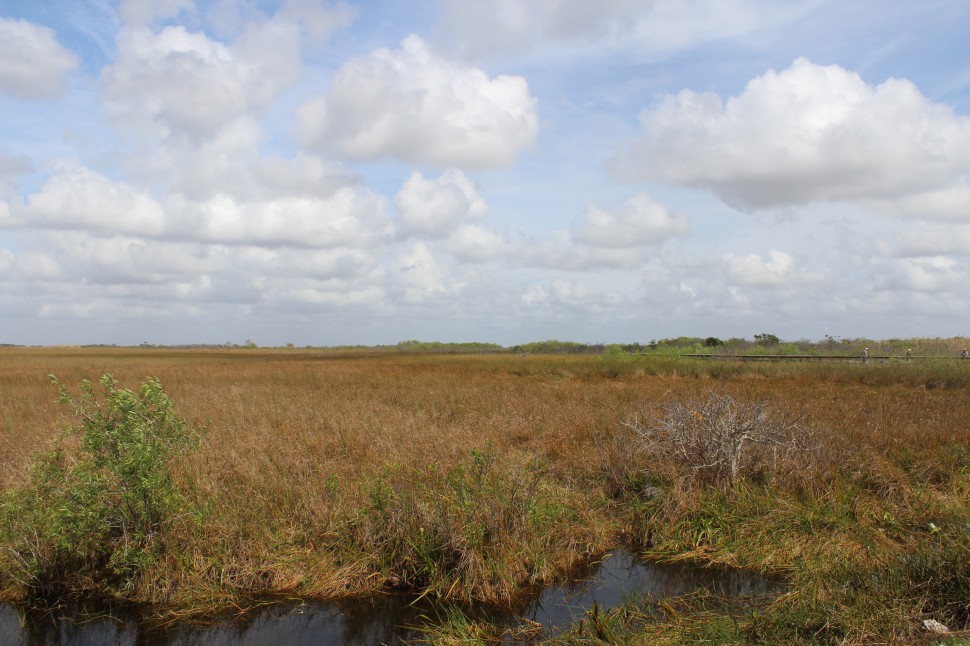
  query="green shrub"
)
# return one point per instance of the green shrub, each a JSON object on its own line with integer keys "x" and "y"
{"x": 765, "y": 339}
{"x": 99, "y": 504}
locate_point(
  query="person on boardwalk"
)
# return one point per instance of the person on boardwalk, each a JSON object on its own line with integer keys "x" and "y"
{"x": 865, "y": 355}
{"x": 909, "y": 354}
{"x": 964, "y": 355}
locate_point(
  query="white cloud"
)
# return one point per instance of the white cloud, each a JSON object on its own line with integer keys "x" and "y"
{"x": 223, "y": 163}
{"x": 486, "y": 27}
{"x": 413, "y": 105}
{"x": 144, "y": 12}
{"x": 754, "y": 271}
{"x": 435, "y": 207}
{"x": 181, "y": 84}
{"x": 75, "y": 197}
{"x": 313, "y": 264}
{"x": 318, "y": 19}
{"x": 607, "y": 240}
{"x": 570, "y": 295}
{"x": 239, "y": 169}
{"x": 349, "y": 218}
{"x": 35, "y": 266}
{"x": 138, "y": 274}
{"x": 336, "y": 296}
{"x": 934, "y": 240}
{"x": 6, "y": 261}
{"x": 33, "y": 64}
{"x": 124, "y": 261}
{"x": 421, "y": 274}
{"x": 560, "y": 250}
{"x": 805, "y": 134}
{"x": 951, "y": 203}
{"x": 933, "y": 274}
{"x": 640, "y": 221}
{"x": 10, "y": 169}
{"x": 303, "y": 175}
{"x": 472, "y": 243}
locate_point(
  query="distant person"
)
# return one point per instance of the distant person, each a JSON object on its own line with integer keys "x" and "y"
{"x": 865, "y": 355}
{"x": 909, "y": 354}
{"x": 964, "y": 355}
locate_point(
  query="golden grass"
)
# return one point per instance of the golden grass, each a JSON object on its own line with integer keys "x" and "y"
{"x": 296, "y": 439}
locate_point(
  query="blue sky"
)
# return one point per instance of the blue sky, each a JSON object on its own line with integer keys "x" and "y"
{"x": 327, "y": 173}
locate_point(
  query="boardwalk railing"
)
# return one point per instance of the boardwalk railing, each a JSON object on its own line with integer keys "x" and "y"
{"x": 812, "y": 357}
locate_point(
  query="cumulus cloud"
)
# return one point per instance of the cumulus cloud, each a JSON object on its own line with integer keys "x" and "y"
{"x": 422, "y": 275}
{"x": 561, "y": 250}
{"x": 472, "y": 243}
{"x": 351, "y": 217}
{"x": 303, "y": 175}
{"x": 177, "y": 83}
{"x": 576, "y": 296}
{"x": 33, "y": 65}
{"x": 140, "y": 275}
{"x": 335, "y": 296}
{"x": 951, "y": 203}
{"x": 807, "y": 133}
{"x": 230, "y": 163}
{"x": 415, "y": 106}
{"x": 131, "y": 260}
{"x": 10, "y": 168}
{"x": 934, "y": 240}
{"x": 484, "y": 27}
{"x": 640, "y": 221}
{"x": 38, "y": 266}
{"x": 435, "y": 207}
{"x": 606, "y": 241}
{"x": 6, "y": 261}
{"x": 754, "y": 271}
{"x": 933, "y": 274}
{"x": 75, "y": 197}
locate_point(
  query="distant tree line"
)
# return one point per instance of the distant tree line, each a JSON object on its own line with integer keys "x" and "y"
{"x": 763, "y": 343}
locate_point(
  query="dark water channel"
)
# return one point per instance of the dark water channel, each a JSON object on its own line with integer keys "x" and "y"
{"x": 389, "y": 619}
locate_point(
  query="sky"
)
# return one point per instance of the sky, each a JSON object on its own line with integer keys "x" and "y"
{"x": 328, "y": 173}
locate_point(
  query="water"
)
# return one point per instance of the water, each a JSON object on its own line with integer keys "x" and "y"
{"x": 382, "y": 620}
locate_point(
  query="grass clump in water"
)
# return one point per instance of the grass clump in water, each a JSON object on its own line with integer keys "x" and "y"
{"x": 100, "y": 505}
{"x": 871, "y": 546}
{"x": 479, "y": 530}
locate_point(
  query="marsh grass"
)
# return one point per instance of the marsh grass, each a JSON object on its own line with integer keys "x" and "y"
{"x": 480, "y": 530}
{"x": 318, "y": 471}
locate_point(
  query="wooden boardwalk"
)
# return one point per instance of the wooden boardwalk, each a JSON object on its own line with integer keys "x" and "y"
{"x": 813, "y": 357}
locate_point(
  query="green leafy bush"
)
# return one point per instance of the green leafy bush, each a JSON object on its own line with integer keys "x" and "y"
{"x": 100, "y": 503}
{"x": 765, "y": 339}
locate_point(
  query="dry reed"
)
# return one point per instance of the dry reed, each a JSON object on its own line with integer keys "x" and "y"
{"x": 295, "y": 441}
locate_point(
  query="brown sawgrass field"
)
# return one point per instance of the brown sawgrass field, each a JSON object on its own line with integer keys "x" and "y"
{"x": 325, "y": 473}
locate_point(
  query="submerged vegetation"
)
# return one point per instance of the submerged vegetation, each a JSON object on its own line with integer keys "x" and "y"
{"x": 474, "y": 476}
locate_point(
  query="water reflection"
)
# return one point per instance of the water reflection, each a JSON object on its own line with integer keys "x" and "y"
{"x": 382, "y": 620}
{"x": 622, "y": 575}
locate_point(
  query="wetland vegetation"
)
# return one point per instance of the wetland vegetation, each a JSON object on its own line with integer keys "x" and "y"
{"x": 193, "y": 479}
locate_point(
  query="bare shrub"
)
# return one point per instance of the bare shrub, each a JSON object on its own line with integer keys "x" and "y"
{"x": 720, "y": 440}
